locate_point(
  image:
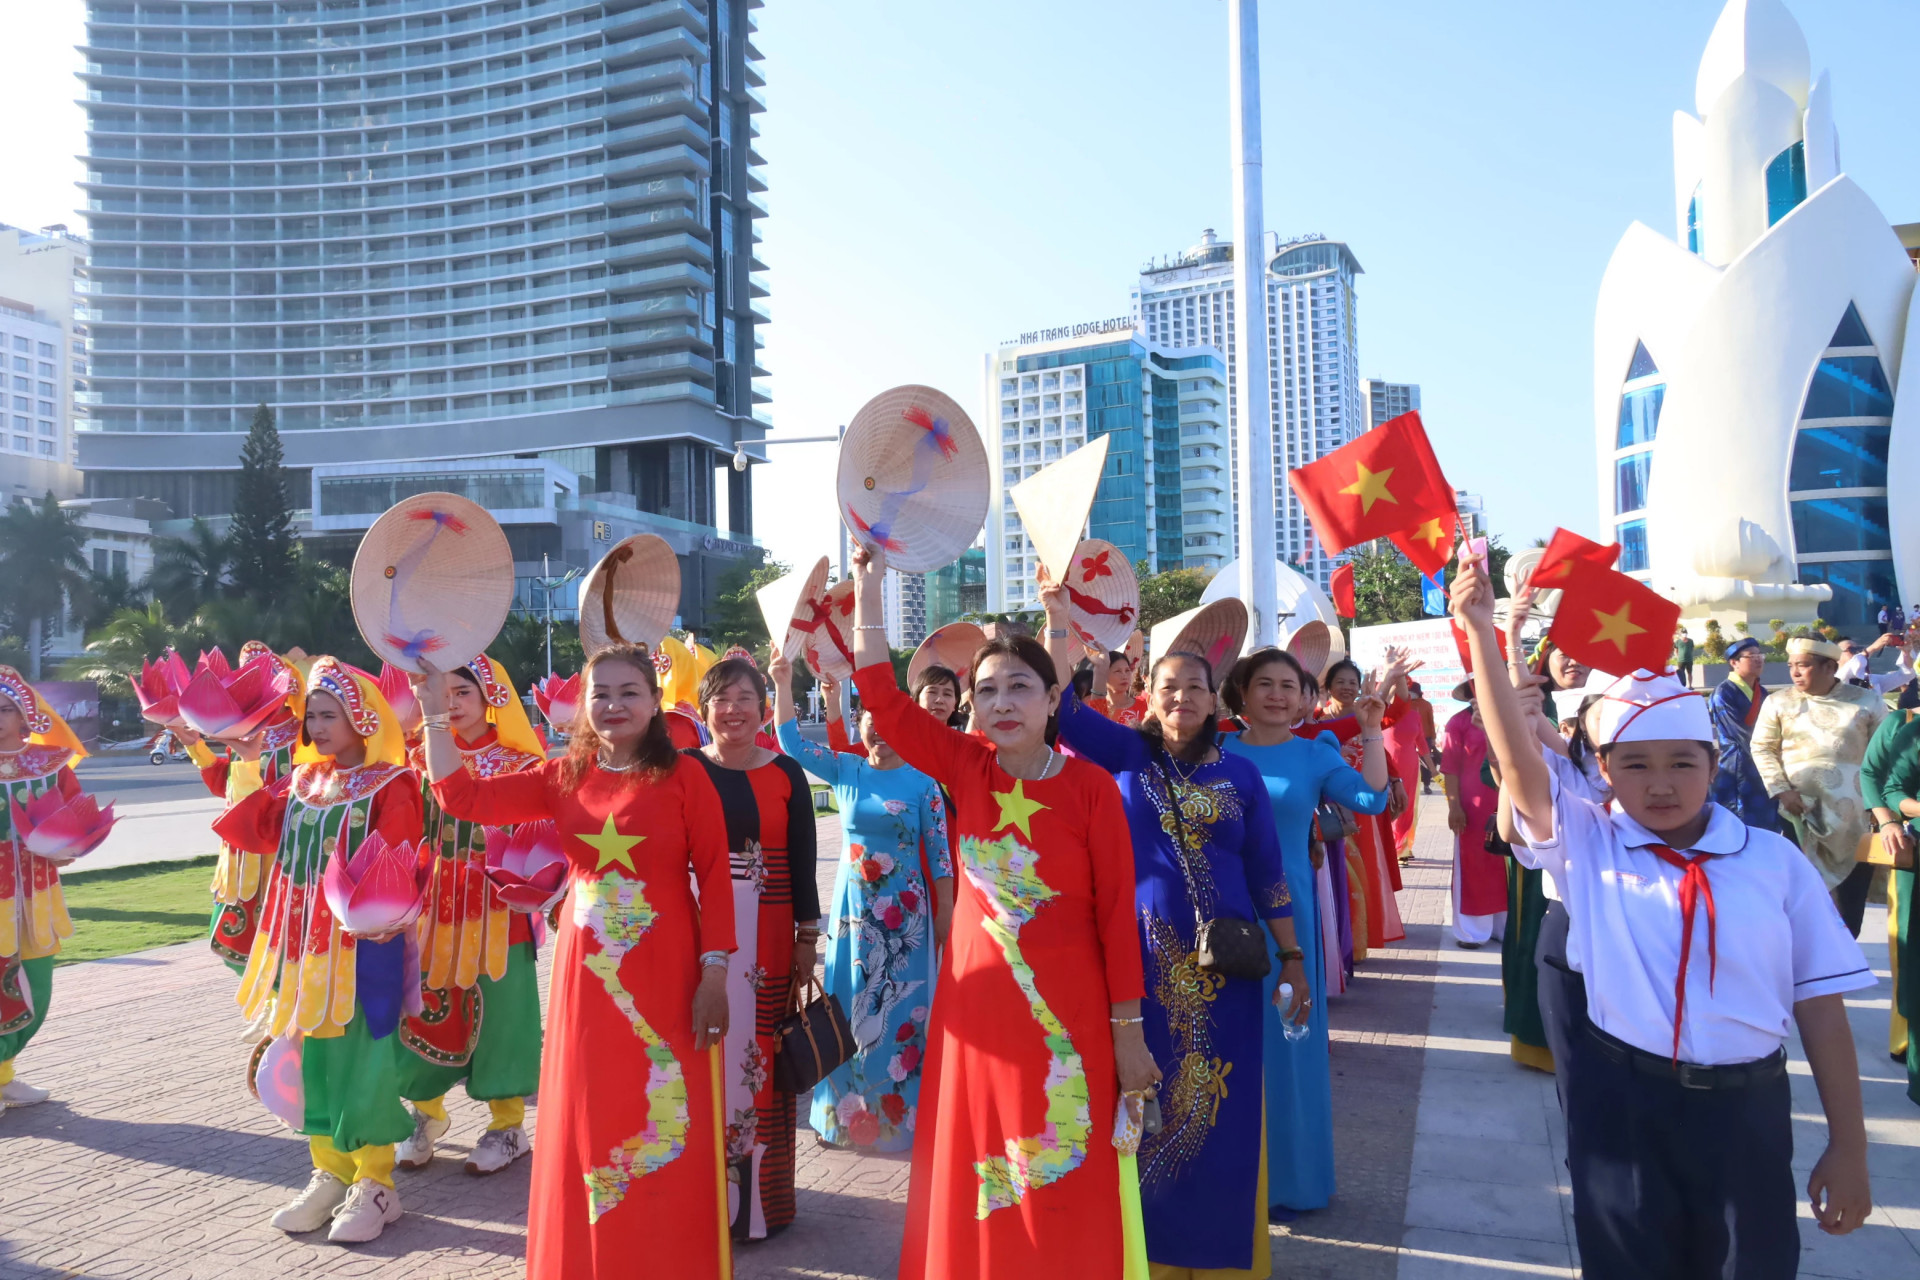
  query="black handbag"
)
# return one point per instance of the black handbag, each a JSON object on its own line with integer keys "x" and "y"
{"x": 812, "y": 1041}
{"x": 1225, "y": 945}
{"x": 1491, "y": 842}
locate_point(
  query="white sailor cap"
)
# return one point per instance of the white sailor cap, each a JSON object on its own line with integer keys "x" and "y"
{"x": 1644, "y": 707}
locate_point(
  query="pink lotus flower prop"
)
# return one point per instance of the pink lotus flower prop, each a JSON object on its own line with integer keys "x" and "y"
{"x": 559, "y": 700}
{"x": 398, "y": 691}
{"x": 378, "y": 890}
{"x": 527, "y": 866}
{"x": 231, "y": 705}
{"x": 58, "y": 829}
{"x": 215, "y": 661}
{"x": 159, "y": 687}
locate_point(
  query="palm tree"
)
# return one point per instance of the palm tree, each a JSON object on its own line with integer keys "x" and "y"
{"x": 189, "y": 571}
{"x": 109, "y": 594}
{"x": 131, "y": 637}
{"x": 42, "y": 566}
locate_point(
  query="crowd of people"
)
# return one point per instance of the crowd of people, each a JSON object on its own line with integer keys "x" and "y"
{"x": 1085, "y": 943}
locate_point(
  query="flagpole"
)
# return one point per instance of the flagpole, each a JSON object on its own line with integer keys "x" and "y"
{"x": 1254, "y": 513}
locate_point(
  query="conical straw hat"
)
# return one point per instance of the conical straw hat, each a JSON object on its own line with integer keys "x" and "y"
{"x": 1214, "y": 631}
{"x": 827, "y": 631}
{"x": 631, "y": 596}
{"x": 433, "y": 578}
{"x": 913, "y": 478}
{"x": 1311, "y": 644}
{"x": 781, "y": 604}
{"x": 1103, "y": 595}
{"x": 1053, "y": 503}
{"x": 952, "y": 647}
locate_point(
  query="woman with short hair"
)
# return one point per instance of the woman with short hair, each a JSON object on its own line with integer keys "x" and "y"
{"x": 776, "y": 902}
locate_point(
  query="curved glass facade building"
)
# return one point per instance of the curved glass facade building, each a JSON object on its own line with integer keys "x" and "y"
{"x": 425, "y": 233}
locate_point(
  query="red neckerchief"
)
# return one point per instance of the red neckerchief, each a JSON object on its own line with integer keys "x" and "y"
{"x": 1694, "y": 885}
{"x": 1753, "y": 704}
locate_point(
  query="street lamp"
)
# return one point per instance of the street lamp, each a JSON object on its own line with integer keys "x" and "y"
{"x": 741, "y": 461}
{"x": 549, "y": 585}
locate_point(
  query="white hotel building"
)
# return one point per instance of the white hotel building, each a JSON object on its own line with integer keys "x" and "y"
{"x": 1318, "y": 399}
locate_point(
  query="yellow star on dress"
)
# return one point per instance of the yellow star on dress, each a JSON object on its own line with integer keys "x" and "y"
{"x": 612, "y": 846}
{"x": 1370, "y": 487}
{"x": 1616, "y": 628}
{"x": 1016, "y": 810}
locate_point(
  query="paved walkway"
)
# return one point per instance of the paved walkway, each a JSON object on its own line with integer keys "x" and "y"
{"x": 153, "y": 1163}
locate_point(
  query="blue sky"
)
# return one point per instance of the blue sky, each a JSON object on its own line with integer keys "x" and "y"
{"x": 943, "y": 177}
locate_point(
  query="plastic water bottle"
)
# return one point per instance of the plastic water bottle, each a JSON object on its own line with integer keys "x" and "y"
{"x": 1291, "y": 1029}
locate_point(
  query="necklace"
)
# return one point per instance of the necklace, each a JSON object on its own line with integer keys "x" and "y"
{"x": 602, "y": 761}
{"x": 1045, "y": 769}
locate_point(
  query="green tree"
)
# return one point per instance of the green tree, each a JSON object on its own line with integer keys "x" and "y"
{"x": 190, "y": 571}
{"x": 108, "y": 594}
{"x": 521, "y": 647}
{"x": 131, "y": 637}
{"x": 43, "y": 566}
{"x": 1168, "y": 593}
{"x": 1386, "y": 586}
{"x": 262, "y": 538}
{"x": 735, "y": 616}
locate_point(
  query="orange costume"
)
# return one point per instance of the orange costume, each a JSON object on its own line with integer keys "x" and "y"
{"x": 1016, "y": 1176}
{"x": 627, "y": 1177}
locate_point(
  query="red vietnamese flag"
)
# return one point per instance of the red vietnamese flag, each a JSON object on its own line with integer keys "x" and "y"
{"x": 1611, "y": 622}
{"x": 1385, "y": 483}
{"x": 1430, "y": 543}
{"x": 1466, "y": 654}
{"x": 1563, "y": 549}
{"x": 1340, "y": 585}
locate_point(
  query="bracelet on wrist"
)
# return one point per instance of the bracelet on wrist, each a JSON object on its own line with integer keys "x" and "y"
{"x": 1126, "y": 1022}
{"x": 1291, "y": 953}
{"x": 1057, "y": 633}
{"x": 871, "y": 626}
{"x": 439, "y": 722}
{"x": 713, "y": 960}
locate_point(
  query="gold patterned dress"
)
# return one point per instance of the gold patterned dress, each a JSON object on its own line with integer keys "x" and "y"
{"x": 1814, "y": 745}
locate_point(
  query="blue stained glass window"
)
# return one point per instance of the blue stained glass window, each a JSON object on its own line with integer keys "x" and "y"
{"x": 1693, "y": 222}
{"x": 1848, "y": 387}
{"x": 1786, "y": 182}
{"x": 1852, "y": 331}
{"x": 1640, "y": 415}
{"x": 1642, "y": 365}
{"x": 1840, "y": 458}
{"x": 1860, "y": 587}
{"x": 1632, "y": 537}
{"x": 1630, "y": 483}
{"x": 1840, "y": 524}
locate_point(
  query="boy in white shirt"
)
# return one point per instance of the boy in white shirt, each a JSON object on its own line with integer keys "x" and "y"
{"x": 1679, "y": 1127}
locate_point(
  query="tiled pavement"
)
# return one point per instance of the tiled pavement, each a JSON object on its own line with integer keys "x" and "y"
{"x": 153, "y": 1163}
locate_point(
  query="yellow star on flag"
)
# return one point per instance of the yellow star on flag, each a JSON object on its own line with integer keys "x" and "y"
{"x": 612, "y": 846}
{"x": 1370, "y": 487}
{"x": 1616, "y": 628}
{"x": 1016, "y": 810}
{"x": 1430, "y": 532}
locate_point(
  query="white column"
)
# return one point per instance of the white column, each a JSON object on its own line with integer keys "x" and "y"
{"x": 1255, "y": 470}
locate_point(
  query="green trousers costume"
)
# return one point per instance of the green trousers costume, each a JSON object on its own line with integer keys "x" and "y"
{"x": 505, "y": 1062}
{"x": 1907, "y": 965}
{"x": 39, "y": 980}
{"x": 1519, "y": 979}
{"x": 353, "y": 1088}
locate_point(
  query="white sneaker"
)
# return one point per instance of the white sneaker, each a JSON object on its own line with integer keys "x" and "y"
{"x": 312, "y": 1208}
{"x": 497, "y": 1149}
{"x": 369, "y": 1207}
{"x": 18, "y": 1093}
{"x": 417, "y": 1152}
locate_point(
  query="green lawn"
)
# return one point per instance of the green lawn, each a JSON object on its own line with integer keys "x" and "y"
{"x": 126, "y": 909}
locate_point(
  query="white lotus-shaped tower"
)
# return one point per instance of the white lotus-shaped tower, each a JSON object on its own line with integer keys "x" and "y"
{"x": 1746, "y": 373}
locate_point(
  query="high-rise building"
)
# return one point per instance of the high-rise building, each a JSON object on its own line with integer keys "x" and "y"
{"x": 43, "y": 347}
{"x": 903, "y": 599}
{"x": 957, "y": 589}
{"x": 438, "y": 239}
{"x": 1317, "y": 397}
{"x": 1162, "y": 499}
{"x": 1472, "y": 509}
{"x": 1388, "y": 400}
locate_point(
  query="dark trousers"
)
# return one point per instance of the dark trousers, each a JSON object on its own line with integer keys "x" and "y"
{"x": 1562, "y": 995}
{"x": 1673, "y": 1183}
{"x": 1850, "y": 895}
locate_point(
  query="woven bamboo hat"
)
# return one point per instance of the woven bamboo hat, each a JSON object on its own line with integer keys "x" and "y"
{"x": 829, "y": 645}
{"x": 913, "y": 478}
{"x": 952, "y": 647}
{"x": 1214, "y": 631}
{"x": 631, "y": 596}
{"x": 1311, "y": 644}
{"x": 783, "y": 604}
{"x": 433, "y": 579}
{"x": 1103, "y": 594}
{"x": 1054, "y": 501}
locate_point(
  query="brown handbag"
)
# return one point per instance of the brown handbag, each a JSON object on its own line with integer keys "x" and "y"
{"x": 812, "y": 1041}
